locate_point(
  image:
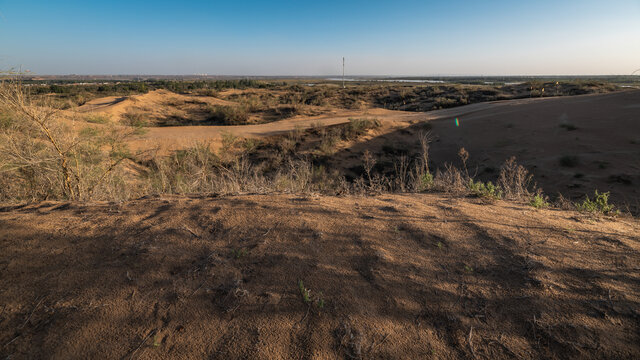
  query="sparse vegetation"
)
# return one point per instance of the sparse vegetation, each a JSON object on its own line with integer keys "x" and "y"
{"x": 43, "y": 158}
{"x": 486, "y": 190}
{"x": 304, "y": 292}
{"x": 238, "y": 253}
{"x": 135, "y": 119}
{"x": 599, "y": 204}
{"x": 228, "y": 115}
{"x": 308, "y": 299}
{"x": 251, "y": 165}
{"x": 539, "y": 202}
{"x": 97, "y": 119}
{"x": 358, "y": 126}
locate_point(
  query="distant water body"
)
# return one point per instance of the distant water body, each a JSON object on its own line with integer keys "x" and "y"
{"x": 391, "y": 80}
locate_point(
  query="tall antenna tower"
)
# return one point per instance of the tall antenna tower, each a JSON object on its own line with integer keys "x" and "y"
{"x": 343, "y": 72}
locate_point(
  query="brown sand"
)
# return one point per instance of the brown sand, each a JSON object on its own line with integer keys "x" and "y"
{"x": 600, "y": 132}
{"x": 400, "y": 276}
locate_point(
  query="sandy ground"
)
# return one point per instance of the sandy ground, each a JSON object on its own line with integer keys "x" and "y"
{"x": 394, "y": 276}
{"x": 605, "y": 143}
{"x": 179, "y": 137}
{"x": 599, "y": 134}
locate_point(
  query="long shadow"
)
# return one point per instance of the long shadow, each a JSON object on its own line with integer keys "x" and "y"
{"x": 535, "y": 135}
{"x": 228, "y": 287}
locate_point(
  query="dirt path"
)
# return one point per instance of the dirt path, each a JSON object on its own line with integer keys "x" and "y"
{"x": 394, "y": 276}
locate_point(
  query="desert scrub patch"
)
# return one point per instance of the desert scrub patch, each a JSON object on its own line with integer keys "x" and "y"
{"x": 539, "y": 202}
{"x": 6, "y": 119}
{"x": 425, "y": 182}
{"x": 599, "y": 204}
{"x": 250, "y": 145}
{"x": 228, "y": 115}
{"x": 329, "y": 140}
{"x": 89, "y": 132}
{"x": 485, "y": 190}
{"x": 359, "y": 126}
{"x": 569, "y": 161}
{"x": 287, "y": 145}
{"x": 97, "y": 118}
{"x": 135, "y": 120}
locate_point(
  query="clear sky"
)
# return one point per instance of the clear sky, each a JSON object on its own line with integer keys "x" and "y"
{"x": 515, "y": 37}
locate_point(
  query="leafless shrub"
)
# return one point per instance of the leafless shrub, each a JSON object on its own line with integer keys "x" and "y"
{"x": 369, "y": 162}
{"x": 47, "y": 158}
{"x": 421, "y": 177}
{"x": 515, "y": 181}
{"x": 401, "y": 179}
{"x": 464, "y": 156}
{"x": 451, "y": 180}
{"x": 329, "y": 140}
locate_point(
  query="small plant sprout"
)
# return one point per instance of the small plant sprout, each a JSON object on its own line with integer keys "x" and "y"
{"x": 468, "y": 269}
{"x": 306, "y": 293}
{"x": 539, "y": 202}
{"x": 320, "y": 301}
{"x": 238, "y": 253}
{"x": 157, "y": 340}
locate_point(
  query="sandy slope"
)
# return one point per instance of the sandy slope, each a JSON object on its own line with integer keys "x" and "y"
{"x": 605, "y": 143}
{"x": 604, "y": 140}
{"x": 400, "y": 276}
{"x": 177, "y": 137}
{"x": 154, "y": 101}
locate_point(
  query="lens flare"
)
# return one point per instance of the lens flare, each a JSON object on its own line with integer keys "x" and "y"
{"x": 457, "y": 122}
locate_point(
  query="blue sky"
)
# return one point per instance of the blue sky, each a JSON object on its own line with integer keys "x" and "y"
{"x": 309, "y": 38}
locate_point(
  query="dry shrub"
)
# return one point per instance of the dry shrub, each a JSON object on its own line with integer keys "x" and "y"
{"x": 228, "y": 115}
{"x": 357, "y": 127}
{"x": 329, "y": 140}
{"x": 135, "y": 118}
{"x": 515, "y": 181}
{"x": 200, "y": 170}
{"x": 451, "y": 180}
{"x": 45, "y": 158}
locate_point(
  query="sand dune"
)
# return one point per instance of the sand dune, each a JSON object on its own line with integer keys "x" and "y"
{"x": 573, "y": 144}
{"x": 154, "y": 101}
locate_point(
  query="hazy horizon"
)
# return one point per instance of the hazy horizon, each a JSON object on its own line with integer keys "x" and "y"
{"x": 407, "y": 38}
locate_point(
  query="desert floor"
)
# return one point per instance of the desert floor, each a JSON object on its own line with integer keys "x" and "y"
{"x": 393, "y": 276}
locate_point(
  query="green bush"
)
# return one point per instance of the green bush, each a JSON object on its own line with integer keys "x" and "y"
{"x": 599, "y": 204}
{"x": 539, "y": 202}
{"x": 486, "y": 190}
{"x": 426, "y": 182}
